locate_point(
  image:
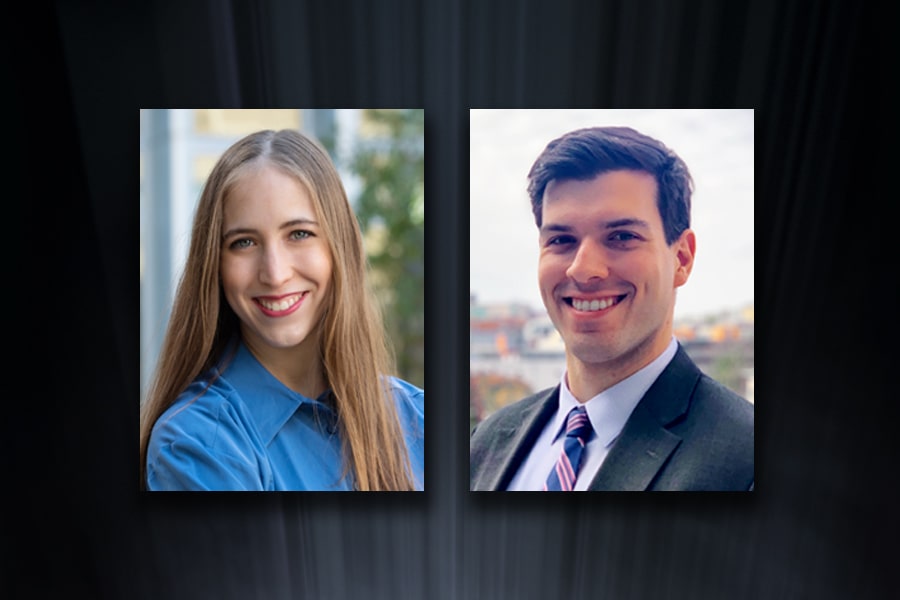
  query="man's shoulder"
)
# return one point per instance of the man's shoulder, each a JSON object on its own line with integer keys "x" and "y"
{"x": 702, "y": 397}
{"x": 711, "y": 430}
{"x": 512, "y": 414}
{"x": 503, "y": 435}
{"x": 713, "y": 397}
{"x": 716, "y": 451}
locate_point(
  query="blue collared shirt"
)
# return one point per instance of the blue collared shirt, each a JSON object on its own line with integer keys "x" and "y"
{"x": 250, "y": 432}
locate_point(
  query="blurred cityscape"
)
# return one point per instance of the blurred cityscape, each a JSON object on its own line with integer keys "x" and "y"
{"x": 514, "y": 351}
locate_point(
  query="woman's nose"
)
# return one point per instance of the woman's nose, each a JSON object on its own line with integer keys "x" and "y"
{"x": 276, "y": 267}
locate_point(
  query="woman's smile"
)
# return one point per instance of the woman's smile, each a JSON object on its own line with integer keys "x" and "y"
{"x": 273, "y": 306}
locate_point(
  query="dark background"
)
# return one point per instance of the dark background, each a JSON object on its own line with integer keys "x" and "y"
{"x": 820, "y": 76}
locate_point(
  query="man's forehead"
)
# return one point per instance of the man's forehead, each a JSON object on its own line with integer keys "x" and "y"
{"x": 608, "y": 182}
{"x": 604, "y": 202}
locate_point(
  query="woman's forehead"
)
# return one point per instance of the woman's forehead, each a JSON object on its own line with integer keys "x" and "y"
{"x": 268, "y": 191}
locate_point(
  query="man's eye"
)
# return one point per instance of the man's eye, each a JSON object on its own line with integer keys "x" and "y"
{"x": 623, "y": 236}
{"x": 560, "y": 240}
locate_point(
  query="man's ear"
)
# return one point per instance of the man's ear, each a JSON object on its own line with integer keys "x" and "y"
{"x": 685, "y": 247}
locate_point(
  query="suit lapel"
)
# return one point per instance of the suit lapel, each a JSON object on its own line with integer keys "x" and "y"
{"x": 646, "y": 443}
{"x": 513, "y": 441}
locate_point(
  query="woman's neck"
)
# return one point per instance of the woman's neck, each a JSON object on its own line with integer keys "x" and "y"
{"x": 299, "y": 367}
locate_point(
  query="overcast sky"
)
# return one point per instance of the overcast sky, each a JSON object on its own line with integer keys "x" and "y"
{"x": 717, "y": 146}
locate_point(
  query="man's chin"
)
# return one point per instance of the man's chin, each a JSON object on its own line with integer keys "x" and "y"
{"x": 592, "y": 351}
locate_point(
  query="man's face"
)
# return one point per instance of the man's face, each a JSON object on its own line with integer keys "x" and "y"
{"x": 606, "y": 274}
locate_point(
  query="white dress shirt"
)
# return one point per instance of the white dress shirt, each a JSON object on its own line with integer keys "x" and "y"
{"x": 608, "y": 411}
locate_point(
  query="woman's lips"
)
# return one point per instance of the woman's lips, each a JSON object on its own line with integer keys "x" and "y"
{"x": 280, "y": 306}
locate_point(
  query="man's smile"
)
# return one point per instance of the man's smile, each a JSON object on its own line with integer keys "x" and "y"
{"x": 593, "y": 304}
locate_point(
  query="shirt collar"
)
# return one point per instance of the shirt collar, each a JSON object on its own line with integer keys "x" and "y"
{"x": 610, "y": 409}
{"x": 270, "y": 403}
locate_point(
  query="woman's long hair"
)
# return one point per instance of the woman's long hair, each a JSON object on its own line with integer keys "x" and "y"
{"x": 354, "y": 352}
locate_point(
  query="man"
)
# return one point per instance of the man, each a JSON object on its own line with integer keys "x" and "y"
{"x": 612, "y": 208}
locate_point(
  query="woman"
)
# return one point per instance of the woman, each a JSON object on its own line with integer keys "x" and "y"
{"x": 273, "y": 374}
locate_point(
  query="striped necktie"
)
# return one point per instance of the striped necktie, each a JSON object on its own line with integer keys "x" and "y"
{"x": 578, "y": 429}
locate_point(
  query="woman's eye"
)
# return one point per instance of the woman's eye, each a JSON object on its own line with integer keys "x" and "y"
{"x": 300, "y": 234}
{"x": 241, "y": 243}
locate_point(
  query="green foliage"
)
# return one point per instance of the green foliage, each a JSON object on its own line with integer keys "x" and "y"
{"x": 491, "y": 391}
{"x": 727, "y": 370}
{"x": 390, "y": 162}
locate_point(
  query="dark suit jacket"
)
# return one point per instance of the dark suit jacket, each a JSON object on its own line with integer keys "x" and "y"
{"x": 688, "y": 432}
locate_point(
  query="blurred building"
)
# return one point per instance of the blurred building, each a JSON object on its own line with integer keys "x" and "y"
{"x": 541, "y": 337}
{"x": 514, "y": 350}
{"x": 497, "y": 329}
{"x": 722, "y": 346}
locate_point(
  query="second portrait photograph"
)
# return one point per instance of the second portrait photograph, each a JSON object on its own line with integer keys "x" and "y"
{"x": 611, "y": 300}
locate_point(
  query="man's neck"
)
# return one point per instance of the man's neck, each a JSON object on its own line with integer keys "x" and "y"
{"x": 587, "y": 380}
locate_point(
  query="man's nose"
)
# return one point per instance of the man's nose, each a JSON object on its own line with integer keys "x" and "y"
{"x": 590, "y": 262}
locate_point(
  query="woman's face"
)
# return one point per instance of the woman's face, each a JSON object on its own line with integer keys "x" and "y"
{"x": 276, "y": 265}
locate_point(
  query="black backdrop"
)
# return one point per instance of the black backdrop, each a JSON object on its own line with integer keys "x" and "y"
{"x": 820, "y": 76}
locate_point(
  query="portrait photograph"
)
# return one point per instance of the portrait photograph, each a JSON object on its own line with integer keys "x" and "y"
{"x": 282, "y": 300}
{"x": 611, "y": 308}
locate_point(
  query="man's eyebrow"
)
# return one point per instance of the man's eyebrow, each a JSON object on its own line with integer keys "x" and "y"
{"x": 285, "y": 225}
{"x": 627, "y": 222}
{"x": 547, "y": 227}
{"x": 614, "y": 224}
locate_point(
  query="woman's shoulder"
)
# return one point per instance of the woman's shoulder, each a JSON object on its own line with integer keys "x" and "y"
{"x": 403, "y": 386}
{"x": 207, "y": 441}
{"x": 201, "y": 411}
{"x": 407, "y": 395}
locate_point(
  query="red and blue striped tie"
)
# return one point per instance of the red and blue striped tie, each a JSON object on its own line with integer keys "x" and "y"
{"x": 578, "y": 429}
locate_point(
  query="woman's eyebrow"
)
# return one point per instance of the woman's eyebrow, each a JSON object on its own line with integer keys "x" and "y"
{"x": 285, "y": 225}
{"x": 300, "y": 221}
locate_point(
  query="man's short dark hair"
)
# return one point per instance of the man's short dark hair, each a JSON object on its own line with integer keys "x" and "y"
{"x": 586, "y": 153}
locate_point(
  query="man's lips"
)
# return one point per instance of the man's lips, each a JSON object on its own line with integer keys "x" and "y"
{"x": 594, "y": 304}
{"x": 280, "y": 305}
